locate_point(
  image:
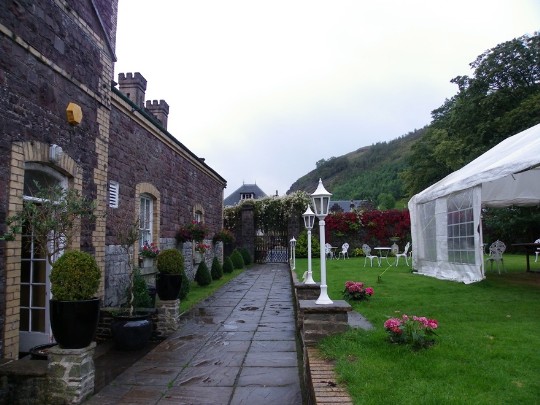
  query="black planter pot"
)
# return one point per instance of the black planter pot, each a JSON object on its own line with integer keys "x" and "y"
{"x": 131, "y": 332}
{"x": 168, "y": 286}
{"x": 74, "y": 323}
{"x": 41, "y": 352}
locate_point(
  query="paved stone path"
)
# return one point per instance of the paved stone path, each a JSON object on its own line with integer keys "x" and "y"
{"x": 236, "y": 347}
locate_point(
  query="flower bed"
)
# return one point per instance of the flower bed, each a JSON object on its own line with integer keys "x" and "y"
{"x": 417, "y": 331}
{"x": 355, "y": 290}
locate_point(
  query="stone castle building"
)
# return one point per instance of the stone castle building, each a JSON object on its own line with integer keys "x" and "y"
{"x": 64, "y": 118}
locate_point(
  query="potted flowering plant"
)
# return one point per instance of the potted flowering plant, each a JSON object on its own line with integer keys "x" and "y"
{"x": 195, "y": 231}
{"x": 355, "y": 290}
{"x": 148, "y": 254}
{"x": 417, "y": 331}
{"x": 201, "y": 247}
{"x": 149, "y": 250}
{"x": 224, "y": 236}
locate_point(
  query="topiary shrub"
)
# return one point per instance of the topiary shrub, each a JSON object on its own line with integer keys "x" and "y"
{"x": 245, "y": 255}
{"x": 202, "y": 277}
{"x": 170, "y": 261}
{"x": 228, "y": 265}
{"x": 238, "y": 261}
{"x": 217, "y": 270}
{"x": 184, "y": 289}
{"x": 75, "y": 276}
{"x": 141, "y": 298}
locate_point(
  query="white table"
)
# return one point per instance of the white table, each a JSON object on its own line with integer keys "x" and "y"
{"x": 383, "y": 253}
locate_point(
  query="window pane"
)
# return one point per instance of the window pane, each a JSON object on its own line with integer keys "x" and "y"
{"x": 26, "y": 247}
{"x": 38, "y": 296}
{"x": 24, "y": 322}
{"x": 40, "y": 271}
{"x": 25, "y": 295}
{"x": 25, "y": 272}
{"x": 31, "y": 176}
{"x": 38, "y": 320}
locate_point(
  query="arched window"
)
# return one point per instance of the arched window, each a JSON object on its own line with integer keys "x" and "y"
{"x": 198, "y": 213}
{"x": 146, "y": 219}
{"x": 34, "y": 326}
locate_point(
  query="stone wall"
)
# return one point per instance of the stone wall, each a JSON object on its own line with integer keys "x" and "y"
{"x": 139, "y": 155}
{"x": 51, "y": 56}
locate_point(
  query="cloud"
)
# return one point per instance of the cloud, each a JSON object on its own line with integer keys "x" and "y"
{"x": 263, "y": 90}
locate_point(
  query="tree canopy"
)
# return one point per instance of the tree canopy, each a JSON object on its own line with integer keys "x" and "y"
{"x": 501, "y": 99}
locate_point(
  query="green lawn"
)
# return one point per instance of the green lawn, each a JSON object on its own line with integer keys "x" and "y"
{"x": 488, "y": 344}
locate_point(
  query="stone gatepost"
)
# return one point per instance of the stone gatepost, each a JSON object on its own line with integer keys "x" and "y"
{"x": 319, "y": 321}
{"x": 168, "y": 317}
{"x": 307, "y": 291}
{"x": 72, "y": 373}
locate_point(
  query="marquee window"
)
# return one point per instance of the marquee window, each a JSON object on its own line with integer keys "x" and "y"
{"x": 460, "y": 226}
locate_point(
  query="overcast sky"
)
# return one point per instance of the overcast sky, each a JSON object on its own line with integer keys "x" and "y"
{"x": 264, "y": 89}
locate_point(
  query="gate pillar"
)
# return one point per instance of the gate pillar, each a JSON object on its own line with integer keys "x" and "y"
{"x": 247, "y": 236}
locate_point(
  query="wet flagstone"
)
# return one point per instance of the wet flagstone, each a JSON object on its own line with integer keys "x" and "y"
{"x": 236, "y": 347}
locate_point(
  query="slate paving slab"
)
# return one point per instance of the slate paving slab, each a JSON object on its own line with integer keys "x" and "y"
{"x": 236, "y": 347}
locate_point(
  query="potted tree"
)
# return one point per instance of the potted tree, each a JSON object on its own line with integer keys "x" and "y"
{"x": 54, "y": 218}
{"x": 130, "y": 329}
{"x": 74, "y": 308}
{"x": 170, "y": 266}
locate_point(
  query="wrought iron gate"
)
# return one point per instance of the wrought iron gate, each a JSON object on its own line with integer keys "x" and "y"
{"x": 272, "y": 247}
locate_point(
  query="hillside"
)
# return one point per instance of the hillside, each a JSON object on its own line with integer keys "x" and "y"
{"x": 365, "y": 173}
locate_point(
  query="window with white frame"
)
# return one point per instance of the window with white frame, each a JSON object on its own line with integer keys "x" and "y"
{"x": 460, "y": 226}
{"x": 198, "y": 216}
{"x": 247, "y": 196}
{"x": 146, "y": 215}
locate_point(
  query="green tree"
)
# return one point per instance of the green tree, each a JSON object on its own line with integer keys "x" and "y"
{"x": 500, "y": 99}
{"x": 386, "y": 201}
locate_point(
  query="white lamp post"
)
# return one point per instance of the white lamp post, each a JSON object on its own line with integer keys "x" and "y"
{"x": 309, "y": 220}
{"x": 293, "y": 253}
{"x": 321, "y": 203}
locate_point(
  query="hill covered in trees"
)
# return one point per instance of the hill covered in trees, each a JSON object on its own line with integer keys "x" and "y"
{"x": 369, "y": 173}
{"x": 501, "y": 99}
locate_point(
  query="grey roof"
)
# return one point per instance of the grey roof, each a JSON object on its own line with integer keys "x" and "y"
{"x": 234, "y": 197}
{"x": 345, "y": 205}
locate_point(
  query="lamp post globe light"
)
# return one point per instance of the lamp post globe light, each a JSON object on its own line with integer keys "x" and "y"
{"x": 321, "y": 203}
{"x": 293, "y": 253}
{"x": 309, "y": 220}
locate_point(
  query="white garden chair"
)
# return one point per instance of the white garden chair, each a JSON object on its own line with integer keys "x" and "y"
{"x": 537, "y": 251}
{"x": 496, "y": 251}
{"x": 367, "y": 252}
{"x": 404, "y": 254}
{"x": 344, "y": 251}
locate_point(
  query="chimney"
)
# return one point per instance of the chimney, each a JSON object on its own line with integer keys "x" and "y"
{"x": 133, "y": 85}
{"x": 160, "y": 110}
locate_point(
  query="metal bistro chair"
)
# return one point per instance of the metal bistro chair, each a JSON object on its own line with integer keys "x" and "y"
{"x": 496, "y": 251}
{"x": 367, "y": 252}
{"x": 404, "y": 254}
{"x": 328, "y": 250}
{"x": 537, "y": 251}
{"x": 344, "y": 251}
